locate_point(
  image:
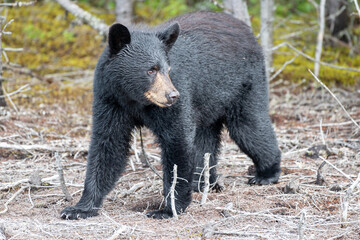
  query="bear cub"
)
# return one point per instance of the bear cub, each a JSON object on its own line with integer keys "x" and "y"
{"x": 184, "y": 80}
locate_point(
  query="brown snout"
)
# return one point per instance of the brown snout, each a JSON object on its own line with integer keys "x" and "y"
{"x": 162, "y": 92}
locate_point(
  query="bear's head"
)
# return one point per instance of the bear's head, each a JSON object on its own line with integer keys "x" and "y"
{"x": 139, "y": 66}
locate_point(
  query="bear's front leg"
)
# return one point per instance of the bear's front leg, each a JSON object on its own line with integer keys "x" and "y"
{"x": 175, "y": 151}
{"x": 106, "y": 161}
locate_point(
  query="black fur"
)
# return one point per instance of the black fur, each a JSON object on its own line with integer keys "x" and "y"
{"x": 218, "y": 68}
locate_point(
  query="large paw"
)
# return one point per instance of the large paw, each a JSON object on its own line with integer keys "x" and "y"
{"x": 259, "y": 180}
{"x": 160, "y": 214}
{"x": 218, "y": 187}
{"x": 73, "y": 213}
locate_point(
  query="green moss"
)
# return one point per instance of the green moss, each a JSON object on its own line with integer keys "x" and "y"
{"x": 51, "y": 41}
{"x": 306, "y": 42}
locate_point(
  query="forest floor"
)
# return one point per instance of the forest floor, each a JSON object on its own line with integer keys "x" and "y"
{"x": 31, "y": 198}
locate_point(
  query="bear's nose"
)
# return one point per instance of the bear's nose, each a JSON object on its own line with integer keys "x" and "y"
{"x": 173, "y": 96}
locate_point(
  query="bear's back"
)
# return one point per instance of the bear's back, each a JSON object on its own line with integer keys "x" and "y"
{"x": 214, "y": 31}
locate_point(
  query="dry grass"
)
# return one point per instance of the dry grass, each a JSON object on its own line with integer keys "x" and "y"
{"x": 239, "y": 212}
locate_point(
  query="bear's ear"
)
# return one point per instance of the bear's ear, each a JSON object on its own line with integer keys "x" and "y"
{"x": 169, "y": 35}
{"x": 119, "y": 36}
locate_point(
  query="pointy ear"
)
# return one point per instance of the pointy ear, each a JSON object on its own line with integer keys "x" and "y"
{"x": 119, "y": 36}
{"x": 169, "y": 35}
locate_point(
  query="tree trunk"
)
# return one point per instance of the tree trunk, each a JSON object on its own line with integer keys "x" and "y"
{"x": 124, "y": 11}
{"x": 238, "y": 8}
{"x": 2, "y": 99}
{"x": 320, "y": 37}
{"x": 266, "y": 32}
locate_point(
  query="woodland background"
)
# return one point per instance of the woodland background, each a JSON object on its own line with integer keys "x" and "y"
{"x": 46, "y": 70}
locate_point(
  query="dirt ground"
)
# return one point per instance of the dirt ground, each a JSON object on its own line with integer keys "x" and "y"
{"x": 295, "y": 208}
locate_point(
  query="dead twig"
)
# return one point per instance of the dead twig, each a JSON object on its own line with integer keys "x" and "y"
{"x": 10, "y": 100}
{"x": 118, "y": 232}
{"x": 283, "y": 67}
{"x": 337, "y": 169}
{"x": 346, "y": 199}
{"x": 12, "y": 198}
{"x": 14, "y": 185}
{"x": 332, "y": 94}
{"x": 24, "y": 88}
{"x": 301, "y": 225}
{"x": 172, "y": 192}
{"x": 61, "y": 178}
{"x": 206, "y": 178}
{"x": 313, "y": 59}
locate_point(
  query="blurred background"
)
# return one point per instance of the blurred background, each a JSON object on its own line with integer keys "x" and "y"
{"x": 58, "y": 48}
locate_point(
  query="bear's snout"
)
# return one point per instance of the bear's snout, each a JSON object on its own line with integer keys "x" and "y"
{"x": 162, "y": 92}
{"x": 172, "y": 97}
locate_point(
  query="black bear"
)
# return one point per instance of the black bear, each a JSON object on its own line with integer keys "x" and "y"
{"x": 185, "y": 80}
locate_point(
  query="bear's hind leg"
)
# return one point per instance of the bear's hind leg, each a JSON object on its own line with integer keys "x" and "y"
{"x": 250, "y": 127}
{"x": 207, "y": 140}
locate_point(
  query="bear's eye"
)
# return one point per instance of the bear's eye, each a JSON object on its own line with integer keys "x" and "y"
{"x": 152, "y": 72}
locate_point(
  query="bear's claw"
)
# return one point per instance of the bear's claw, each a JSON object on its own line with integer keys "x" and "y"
{"x": 159, "y": 214}
{"x": 73, "y": 213}
{"x": 263, "y": 181}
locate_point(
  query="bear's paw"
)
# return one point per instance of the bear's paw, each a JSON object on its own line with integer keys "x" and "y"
{"x": 258, "y": 180}
{"x": 160, "y": 214}
{"x": 74, "y": 213}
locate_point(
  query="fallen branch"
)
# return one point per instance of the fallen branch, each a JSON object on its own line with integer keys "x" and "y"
{"x": 334, "y": 124}
{"x": 17, "y": 4}
{"x": 41, "y": 147}
{"x": 12, "y": 198}
{"x": 85, "y": 16}
{"x": 313, "y": 59}
{"x": 14, "y": 185}
{"x": 10, "y": 100}
{"x": 24, "y": 88}
{"x": 27, "y": 180}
